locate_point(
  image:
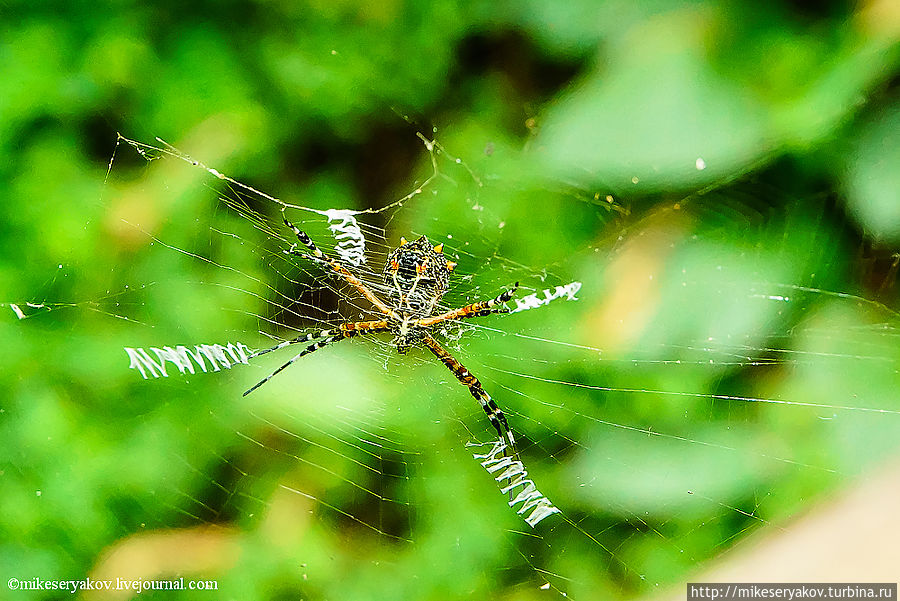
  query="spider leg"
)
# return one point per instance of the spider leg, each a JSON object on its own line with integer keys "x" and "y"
{"x": 478, "y": 309}
{"x": 299, "y": 339}
{"x": 498, "y": 420}
{"x": 352, "y": 328}
{"x": 348, "y": 329}
{"x": 311, "y": 348}
{"x": 329, "y": 263}
{"x": 345, "y": 330}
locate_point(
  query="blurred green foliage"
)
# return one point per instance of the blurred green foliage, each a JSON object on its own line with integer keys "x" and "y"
{"x": 689, "y": 162}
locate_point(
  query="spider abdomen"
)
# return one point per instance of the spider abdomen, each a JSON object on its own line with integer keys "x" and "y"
{"x": 416, "y": 275}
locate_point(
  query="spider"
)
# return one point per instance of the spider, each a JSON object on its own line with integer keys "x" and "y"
{"x": 416, "y": 275}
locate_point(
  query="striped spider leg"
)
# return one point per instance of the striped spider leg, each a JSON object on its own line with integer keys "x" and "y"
{"x": 346, "y": 330}
{"x": 494, "y": 413}
{"x": 334, "y": 265}
{"x": 479, "y": 309}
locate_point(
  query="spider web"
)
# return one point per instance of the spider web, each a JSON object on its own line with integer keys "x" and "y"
{"x": 682, "y": 380}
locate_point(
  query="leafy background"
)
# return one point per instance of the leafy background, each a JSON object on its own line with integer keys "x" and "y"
{"x": 792, "y": 108}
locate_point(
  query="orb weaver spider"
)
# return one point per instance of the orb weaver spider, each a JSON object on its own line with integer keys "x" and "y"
{"x": 416, "y": 275}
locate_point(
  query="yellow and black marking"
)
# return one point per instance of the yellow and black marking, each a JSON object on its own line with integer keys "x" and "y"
{"x": 416, "y": 275}
{"x": 353, "y": 328}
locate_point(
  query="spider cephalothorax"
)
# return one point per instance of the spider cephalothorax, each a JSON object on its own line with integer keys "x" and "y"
{"x": 417, "y": 275}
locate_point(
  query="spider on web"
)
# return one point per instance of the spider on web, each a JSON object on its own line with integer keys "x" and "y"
{"x": 416, "y": 275}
